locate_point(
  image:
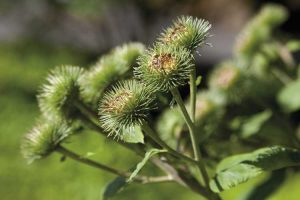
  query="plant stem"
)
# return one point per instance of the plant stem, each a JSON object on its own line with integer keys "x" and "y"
{"x": 286, "y": 56}
{"x": 140, "y": 179}
{"x": 90, "y": 118}
{"x": 281, "y": 76}
{"x": 149, "y": 131}
{"x": 193, "y": 91}
{"x": 193, "y": 136}
{"x": 87, "y": 112}
{"x": 89, "y": 162}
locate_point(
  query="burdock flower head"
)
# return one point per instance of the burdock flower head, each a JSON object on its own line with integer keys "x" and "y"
{"x": 164, "y": 67}
{"x": 43, "y": 139}
{"x": 186, "y": 31}
{"x": 62, "y": 88}
{"x": 125, "y": 107}
{"x": 231, "y": 81}
{"x": 110, "y": 67}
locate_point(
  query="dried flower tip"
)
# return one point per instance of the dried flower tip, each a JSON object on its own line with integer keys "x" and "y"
{"x": 56, "y": 96}
{"x": 43, "y": 139}
{"x": 107, "y": 70}
{"x": 164, "y": 67}
{"x": 186, "y": 31}
{"x": 125, "y": 106}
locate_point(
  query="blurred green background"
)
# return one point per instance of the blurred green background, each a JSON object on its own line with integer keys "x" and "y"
{"x": 36, "y": 37}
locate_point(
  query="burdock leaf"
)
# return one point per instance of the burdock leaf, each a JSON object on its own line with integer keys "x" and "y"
{"x": 238, "y": 169}
{"x": 293, "y": 45}
{"x": 198, "y": 80}
{"x": 141, "y": 164}
{"x": 289, "y": 97}
{"x": 255, "y": 123}
{"x": 268, "y": 187}
{"x": 136, "y": 136}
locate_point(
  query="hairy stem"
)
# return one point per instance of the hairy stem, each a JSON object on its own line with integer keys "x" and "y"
{"x": 149, "y": 131}
{"x": 193, "y": 90}
{"x": 193, "y": 136}
{"x": 140, "y": 179}
{"x": 90, "y": 114}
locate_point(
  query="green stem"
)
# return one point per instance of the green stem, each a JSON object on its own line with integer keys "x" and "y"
{"x": 140, "y": 179}
{"x": 281, "y": 76}
{"x": 89, "y": 162}
{"x": 149, "y": 131}
{"x": 86, "y": 111}
{"x": 90, "y": 119}
{"x": 193, "y": 90}
{"x": 286, "y": 56}
{"x": 193, "y": 136}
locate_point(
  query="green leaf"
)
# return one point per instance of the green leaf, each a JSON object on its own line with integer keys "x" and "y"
{"x": 289, "y": 97}
{"x": 268, "y": 187}
{"x": 114, "y": 187}
{"x": 136, "y": 137}
{"x": 198, "y": 80}
{"x": 293, "y": 45}
{"x": 141, "y": 164}
{"x": 237, "y": 169}
{"x": 254, "y": 123}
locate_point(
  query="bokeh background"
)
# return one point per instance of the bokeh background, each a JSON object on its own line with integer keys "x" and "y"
{"x": 37, "y": 35}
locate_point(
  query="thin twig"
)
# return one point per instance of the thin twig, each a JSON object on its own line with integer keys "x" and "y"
{"x": 193, "y": 94}
{"x": 89, "y": 162}
{"x": 149, "y": 131}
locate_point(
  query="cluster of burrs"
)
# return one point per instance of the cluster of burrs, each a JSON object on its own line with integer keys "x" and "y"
{"x": 123, "y": 86}
{"x": 118, "y": 95}
{"x": 125, "y": 102}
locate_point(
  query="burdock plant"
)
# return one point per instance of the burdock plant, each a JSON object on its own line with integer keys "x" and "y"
{"x": 244, "y": 110}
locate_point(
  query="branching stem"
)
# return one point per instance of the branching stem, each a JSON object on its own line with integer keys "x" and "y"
{"x": 150, "y": 132}
{"x": 140, "y": 179}
{"x": 193, "y": 136}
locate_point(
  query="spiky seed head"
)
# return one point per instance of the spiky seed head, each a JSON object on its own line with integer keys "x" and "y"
{"x": 231, "y": 81}
{"x": 169, "y": 125}
{"x": 224, "y": 76}
{"x": 164, "y": 67}
{"x": 186, "y": 31}
{"x": 209, "y": 111}
{"x": 43, "y": 139}
{"x": 207, "y": 103}
{"x": 57, "y": 95}
{"x": 203, "y": 106}
{"x": 125, "y": 106}
{"x": 129, "y": 52}
{"x": 107, "y": 70}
